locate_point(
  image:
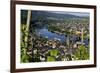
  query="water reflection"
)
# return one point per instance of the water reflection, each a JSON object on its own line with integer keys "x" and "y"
{"x": 44, "y": 32}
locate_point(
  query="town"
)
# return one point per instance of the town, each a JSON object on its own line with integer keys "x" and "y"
{"x": 56, "y": 39}
{"x": 43, "y": 49}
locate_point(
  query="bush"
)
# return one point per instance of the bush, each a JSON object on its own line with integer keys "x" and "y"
{"x": 82, "y": 53}
{"x": 50, "y": 58}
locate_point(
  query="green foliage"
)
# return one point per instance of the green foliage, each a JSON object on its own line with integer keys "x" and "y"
{"x": 50, "y": 58}
{"x": 25, "y": 58}
{"x": 82, "y": 53}
{"x": 53, "y": 28}
{"x": 58, "y": 29}
{"x": 53, "y": 52}
{"x": 86, "y": 36}
{"x": 52, "y": 55}
{"x": 24, "y": 43}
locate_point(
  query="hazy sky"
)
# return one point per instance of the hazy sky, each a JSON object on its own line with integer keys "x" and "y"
{"x": 86, "y": 14}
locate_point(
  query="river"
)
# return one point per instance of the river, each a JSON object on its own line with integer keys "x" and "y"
{"x": 44, "y": 32}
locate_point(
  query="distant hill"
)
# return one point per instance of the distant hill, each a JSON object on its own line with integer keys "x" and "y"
{"x": 45, "y": 15}
{"x": 51, "y": 15}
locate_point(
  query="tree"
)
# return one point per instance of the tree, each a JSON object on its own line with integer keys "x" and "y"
{"x": 82, "y": 53}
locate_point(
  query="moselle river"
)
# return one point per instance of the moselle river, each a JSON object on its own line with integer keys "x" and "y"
{"x": 44, "y": 32}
